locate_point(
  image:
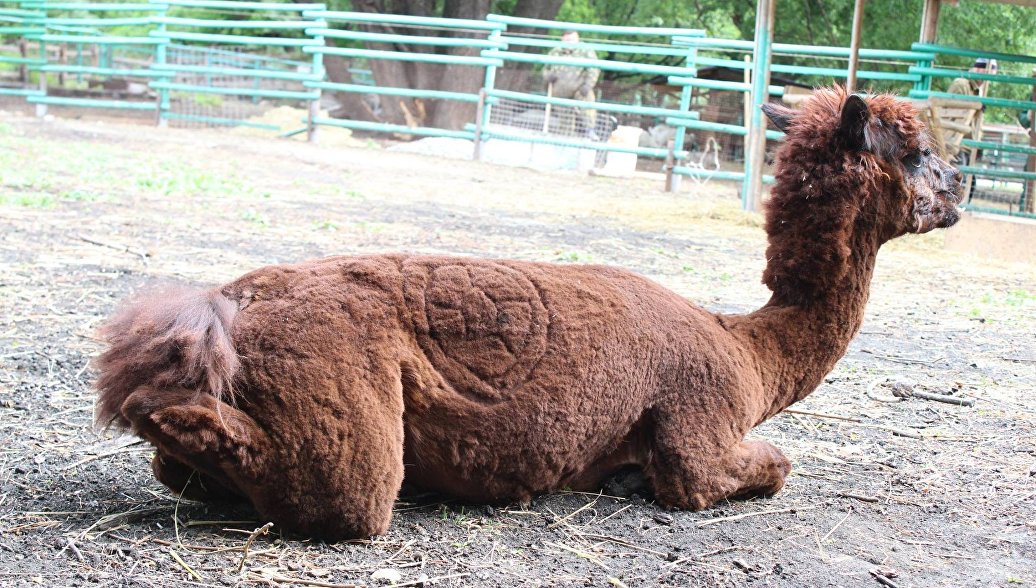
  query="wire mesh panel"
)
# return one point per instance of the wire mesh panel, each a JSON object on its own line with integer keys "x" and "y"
{"x": 1006, "y": 151}
{"x": 230, "y": 62}
{"x": 220, "y": 68}
{"x": 560, "y": 121}
{"x": 586, "y": 87}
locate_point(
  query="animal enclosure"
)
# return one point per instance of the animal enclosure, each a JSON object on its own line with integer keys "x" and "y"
{"x": 936, "y": 493}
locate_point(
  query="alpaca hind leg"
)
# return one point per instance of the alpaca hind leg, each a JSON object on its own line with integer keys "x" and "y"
{"x": 336, "y": 462}
{"x": 697, "y": 479}
{"x": 196, "y": 433}
{"x": 190, "y": 483}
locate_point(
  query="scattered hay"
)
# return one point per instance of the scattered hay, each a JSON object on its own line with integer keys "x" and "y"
{"x": 289, "y": 119}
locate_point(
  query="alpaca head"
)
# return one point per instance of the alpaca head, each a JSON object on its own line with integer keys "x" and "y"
{"x": 853, "y": 171}
{"x": 876, "y": 147}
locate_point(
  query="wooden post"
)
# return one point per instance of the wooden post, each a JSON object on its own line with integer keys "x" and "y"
{"x": 479, "y": 113}
{"x": 670, "y": 162}
{"x": 755, "y": 147}
{"x": 748, "y": 104}
{"x": 312, "y": 132}
{"x": 854, "y": 46}
{"x": 1029, "y": 193}
{"x": 930, "y": 20}
{"x": 23, "y": 69}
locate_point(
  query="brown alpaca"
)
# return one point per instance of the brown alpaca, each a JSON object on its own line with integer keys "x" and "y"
{"x": 311, "y": 390}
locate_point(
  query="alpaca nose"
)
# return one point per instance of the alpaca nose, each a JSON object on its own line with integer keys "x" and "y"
{"x": 957, "y": 176}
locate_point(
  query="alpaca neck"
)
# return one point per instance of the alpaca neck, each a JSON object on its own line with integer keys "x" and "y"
{"x": 797, "y": 343}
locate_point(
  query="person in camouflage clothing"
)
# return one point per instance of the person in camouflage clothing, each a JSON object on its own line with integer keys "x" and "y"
{"x": 572, "y": 81}
{"x": 968, "y": 87}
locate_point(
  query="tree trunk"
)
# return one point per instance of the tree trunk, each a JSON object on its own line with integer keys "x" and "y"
{"x": 448, "y": 114}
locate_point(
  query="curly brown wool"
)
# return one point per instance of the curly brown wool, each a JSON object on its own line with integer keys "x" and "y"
{"x": 311, "y": 390}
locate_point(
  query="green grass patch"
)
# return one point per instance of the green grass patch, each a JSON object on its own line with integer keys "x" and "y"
{"x": 30, "y": 199}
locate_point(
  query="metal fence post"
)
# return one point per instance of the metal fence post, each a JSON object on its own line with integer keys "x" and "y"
{"x": 754, "y": 159}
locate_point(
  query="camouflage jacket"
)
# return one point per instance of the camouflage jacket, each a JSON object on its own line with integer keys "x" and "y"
{"x": 571, "y": 77}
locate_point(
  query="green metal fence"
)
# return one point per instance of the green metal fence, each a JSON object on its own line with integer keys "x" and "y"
{"x": 96, "y": 34}
{"x": 474, "y": 35}
{"x": 19, "y": 24}
{"x": 248, "y": 52}
{"x": 889, "y": 67}
{"x": 636, "y": 44}
{"x": 261, "y": 58}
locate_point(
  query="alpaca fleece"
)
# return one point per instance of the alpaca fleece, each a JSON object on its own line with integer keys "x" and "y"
{"x": 312, "y": 390}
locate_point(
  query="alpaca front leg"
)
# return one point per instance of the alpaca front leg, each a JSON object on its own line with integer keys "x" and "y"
{"x": 696, "y": 481}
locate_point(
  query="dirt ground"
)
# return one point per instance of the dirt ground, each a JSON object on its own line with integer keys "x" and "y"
{"x": 883, "y": 492}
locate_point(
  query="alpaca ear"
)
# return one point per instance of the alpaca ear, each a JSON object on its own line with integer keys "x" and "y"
{"x": 780, "y": 116}
{"x": 855, "y": 116}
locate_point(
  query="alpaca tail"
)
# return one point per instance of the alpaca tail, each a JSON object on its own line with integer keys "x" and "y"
{"x": 178, "y": 339}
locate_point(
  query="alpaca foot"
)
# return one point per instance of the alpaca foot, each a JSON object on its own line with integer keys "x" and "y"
{"x": 750, "y": 469}
{"x": 191, "y": 484}
{"x": 771, "y": 469}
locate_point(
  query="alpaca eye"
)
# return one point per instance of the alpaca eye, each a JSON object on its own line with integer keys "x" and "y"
{"x": 913, "y": 160}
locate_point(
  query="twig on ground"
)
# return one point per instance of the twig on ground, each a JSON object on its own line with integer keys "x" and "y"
{"x": 583, "y": 554}
{"x": 400, "y": 550}
{"x": 883, "y": 580}
{"x": 244, "y": 551}
{"x": 286, "y": 580}
{"x": 838, "y": 524}
{"x": 72, "y": 545}
{"x": 904, "y": 433}
{"x": 622, "y": 542}
{"x": 189, "y": 569}
{"x": 562, "y": 520}
{"x": 430, "y": 580}
{"x": 614, "y": 513}
{"x": 894, "y": 431}
{"x": 701, "y": 555}
{"x": 220, "y": 523}
{"x": 594, "y": 494}
{"x": 939, "y": 398}
{"x": 752, "y": 514}
{"x": 107, "y": 522}
{"x": 121, "y": 449}
{"x": 176, "y": 508}
{"x": 821, "y": 415}
{"x": 880, "y": 397}
{"x": 208, "y": 549}
{"x": 124, "y": 248}
{"x": 860, "y": 497}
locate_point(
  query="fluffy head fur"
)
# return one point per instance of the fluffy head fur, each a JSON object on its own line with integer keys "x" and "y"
{"x": 849, "y": 166}
{"x": 167, "y": 338}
